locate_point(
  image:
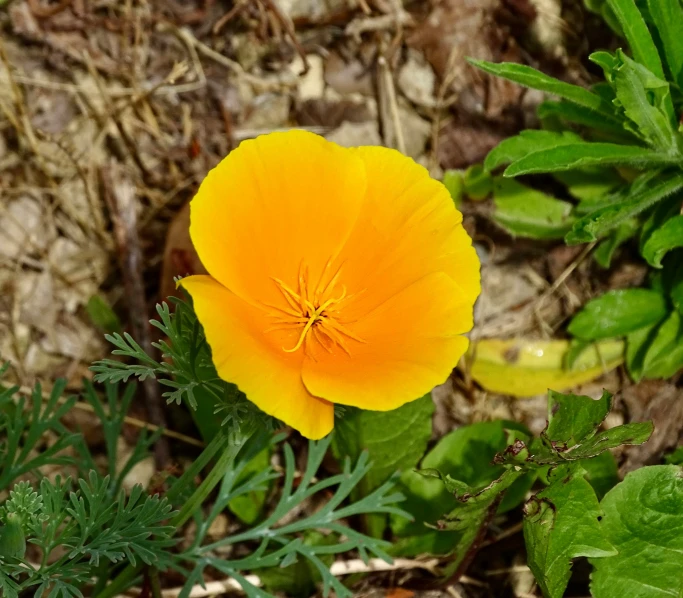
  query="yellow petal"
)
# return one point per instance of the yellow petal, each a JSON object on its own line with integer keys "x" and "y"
{"x": 526, "y": 368}
{"x": 277, "y": 203}
{"x": 255, "y": 362}
{"x": 408, "y": 228}
{"x": 411, "y": 344}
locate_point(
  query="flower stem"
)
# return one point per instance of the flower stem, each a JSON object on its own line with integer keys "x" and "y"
{"x": 228, "y": 451}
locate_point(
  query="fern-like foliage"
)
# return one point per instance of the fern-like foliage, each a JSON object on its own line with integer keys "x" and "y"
{"x": 280, "y": 544}
{"x": 186, "y": 368}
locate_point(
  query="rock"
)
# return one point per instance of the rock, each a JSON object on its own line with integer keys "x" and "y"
{"x": 416, "y": 131}
{"x": 23, "y": 228}
{"x": 312, "y": 84}
{"x": 416, "y": 79}
{"x": 347, "y": 77}
{"x": 312, "y": 11}
{"x": 267, "y": 111}
{"x": 35, "y": 296}
{"x": 354, "y": 134}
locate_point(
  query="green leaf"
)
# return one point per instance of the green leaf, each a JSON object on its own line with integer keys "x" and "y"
{"x": 523, "y": 211}
{"x": 661, "y": 213}
{"x": 637, "y": 344}
{"x": 605, "y": 251}
{"x": 529, "y": 77}
{"x": 617, "y": 313}
{"x": 598, "y": 223}
{"x": 465, "y": 453}
{"x": 601, "y": 472}
{"x": 600, "y": 127}
{"x": 452, "y": 180}
{"x": 572, "y": 418}
{"x": 634, "y": 433}
{"x": 102, "y": 315}
{"x": 395, "y": 440}
{"x": 607, "y": 61}
{"x": 589, "y": 184}
{"x": 637, "y": 35}
{"x": 668, "y": 18}
{"x": 576, "y": 155}
{"x": 12, "y": 537}
{"x": 664, "y": 357}
{"x": 478, "y": 182}
{"x": 673, "y": 271}
{"x": 643, "y": 520}
{"x": 636, "y": 88}
{"x": 664, "y": 239}
{"x": 249, "y": 507}
{"x": 560, "y": 524}
{"x": 528, "y": 141}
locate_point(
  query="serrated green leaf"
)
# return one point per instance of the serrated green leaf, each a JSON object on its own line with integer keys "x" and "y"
{"x": 577, "y": 155}
{"x": 605, "y": 251}
{"x": 607, "y": 61}
{"x": 526, "y": 212}
{"x": 664, "y": 356}
{"x": 529, "y": 77}
{"x": 668, "y": 18}
{"x": 560, "y": 524}
{"x": 528, "y": 141}
{"x": 643, "y": 520}
{"x": 618, "y": 313}
{"x": 662, "y": 240}
{"x": 478, "y": 182}
{"x": 598, "y": 223}
{"x": 633, "y": 433}
{"x": 646, "y": 101}
{"x": 573, "y": 418}
{"x": 637, "y": 35}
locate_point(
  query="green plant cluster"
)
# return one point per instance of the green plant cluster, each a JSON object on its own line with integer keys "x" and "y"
{"x": 618, "y": 150}
{"x": 63, "y": 538}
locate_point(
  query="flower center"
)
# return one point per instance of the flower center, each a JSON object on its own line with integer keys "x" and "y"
{"x": 314, "y": 316}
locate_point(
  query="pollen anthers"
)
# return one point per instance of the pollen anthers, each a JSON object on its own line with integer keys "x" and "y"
{"x": 313, "y": 311}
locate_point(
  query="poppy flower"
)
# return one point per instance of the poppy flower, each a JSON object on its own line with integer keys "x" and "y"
{"x": 336, "y": 275}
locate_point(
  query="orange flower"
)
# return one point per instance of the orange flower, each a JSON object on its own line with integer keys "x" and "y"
{"x": 336, "y": 276}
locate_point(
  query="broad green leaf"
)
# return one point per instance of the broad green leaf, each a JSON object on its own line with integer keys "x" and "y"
{"x": 646, "y": 101}
{"x": 248, "y": 507}
{"x": 643, "y": 520}
{"x": 668, "y": 18}
{"x": 637, "y": 35}
{"x": 664, "y": 239}
{"x": 529, "y": 367}
{"x": 573, "y": 418}
{"x": 577, "y": 155}
{"x": 637, "y": 344}
{"x": 664, "y": 357}
{"x": 526, "y": 212}
{"x": 673, "y": 271}
{"x": 560, "y": 524}
{"x": 661, "y": 213}
{"x": 605, "y": 251}
{"x": 452, "y": 180}
{"x": 618, "y": 313}
{"x": 478, "y": 182}
{"x": 395, "y": 441}
{"x": 528, "y": 141}
{"x": 529, "y": 77}
{"x": 609, "y": 129}
{"x": 601, "y": 472}
{"x": 465, "y": 453}
{"x": 598, "y": 223}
